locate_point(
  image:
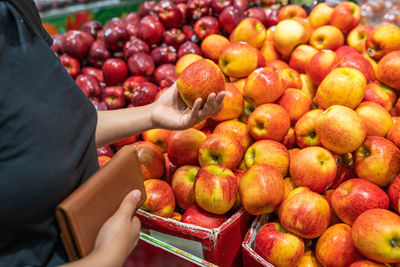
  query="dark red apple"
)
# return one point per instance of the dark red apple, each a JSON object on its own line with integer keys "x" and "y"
{"x": 167, "y": 82}
{"x": 182, "y": 8}
{"x": 130, "y": 85}
{"x": 105, "y": 151}
{"x": 272, "y": 16}
{"x": 206, "y": 26}
{"x": 164, "y": 71}
{"x": 115, "y": 71}
{"x": 114, "y": 97}
{"x": 98, "y": 53}
{"x": 174, "y": 37}
{"x": 92, "y": 27}
{"x": 89, "y": 85}
{"x": 189, "y": 33}
{"x": 257, "y": 13}
{"x": 135, "y": 45}
{"x": 164, "y": 54}
{"x": 132, "y": 28}
{"x": 131, "y": 17}
{"x": 219, "y": 5}
{"x": 95, "y": 72}
{"x": 195, "y": 215}
{"x": 115, "y": 21}
{"x": 151, "y": 30}
{"x": 188, "y": 47}
{"x": 141, "y": 64}
{"x": 198, "y": 8}
{"x": 230, "y": 18}
{"x": 77, "y": 43}
{"x": 115, "y": 37}
{"x": 144, "y": 94}
{"x": 168, "y": 13}
{"x": 242, "y": 4}
{"x": 58, "y": 42}
{"x": 146, "y": 8}
{"x": 99, "y": 105}
{"x": 71, "y": 64}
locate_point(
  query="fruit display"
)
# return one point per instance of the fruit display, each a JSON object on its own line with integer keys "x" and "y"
{"x": 309, "y": 133}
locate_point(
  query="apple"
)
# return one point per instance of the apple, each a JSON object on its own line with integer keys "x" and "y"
{"x": 163, "y": 72}
{"x": 188, "y": 47}
{"x": 220, "y": 149}
{"x": 183, "y": 146}
{"x": 126, "y": 141}
{"x": 377, "y": 120}
{"x": 276, "y": 65}
{"x": 305, "y": 213}
{"x": 291, "y": 11}
{"x": 206, "y": 26}
{"x": 168, "y": 14}
{"x": 269, "y": 121}
{"x": 375, "y": 93}
{"x": 115, "y": 21}
{"x": 366, "y": 263}
{"x": 237, "y": 130}
{"x": 174, "y": 37}
{"x": 114, "y": 97}
{"x": 377, "y": 160}
{"x": 89, "y": 85}
{"x": 115, "y": 71}
{"x": 345, "y": 50}
{"x": 257, "y": 13}
{"x": 176, "y": 216}
{"x": 268, "y": 152}
{"x": 164, "y": 54}
{"x": 130, "y": 85}
{"x": 387, "y": 69}
{"x": 277, "y": 246}
{"x": 91, "y": 27}
{"x": 263, "y": 86}
{"x": 296, "y": 103}
{"x": 71, "y": 65}
{"x": 394, "y": 193}
{"x": 77, "y": 43}
{"x": 334, "y": 218}
{"x": 213, "y": 45}
{"x": 251, "y": 31}
{"x": 308, "y": 260}
{"x": 160, "y": 199}
{"x": 313, "y": 167}
{"x": 182, "y": 185}
{"x": 185, "y": 61}
{"x": 355, "y": 196}
{"x": 196, "y": 216}
{"x": 358, "y": 62}
{"x": 189, "y": 33}
{"x": 105, "y": 151}
{"x": 135, "y": 45}
{"x": 307, "y": 85}
{"x": 141, "y": 64}
{"x": 93, "y": 71}
{"x": 346, "y": 16}
{"x": 198, "y": 8}
{"x": 345, "y": 169}
{"x": 115, "y": 37}
{"x": 376, "y": 235}
{"x": 98, "y": 53}
{"x": 146, "y": 8}
{"x": 215, "y": 188}
{"x": 269, "y": 52}
{"x": 290, "y": 78}
{"x": 151, "y": 160}
{"x": 238, "y": 60}
{"x": 320, "y": 15}
{"x": 151, "y": 30}
{"x": 289, "y": 141}
{"x": 132, "y": 28}
{"x": 357, "y": 38}
{"x": 326, "y": 37}
{"x": 284, "y": 42}
{"x": 230, "y": 17}
{"x": 131, "y": 17}
{"x": 321, "y": 65}
{"x": 247, "y": 110}
{"x": 219, "y": 5}
{"x": 233, "y": 104}
{"x": 301, "y": 56}
{"x": 198, "y": 80}
{"x": 342, "y": 86}
{"x": 169, "y": 169}
{"x": 383, "y": 40}
{"x": 304, "y": 129}
{"x": 103, "y": 160}
{"x": 158, "y": 137}
{"x": 335, "y": 247}
{"x": 261, "y": 189}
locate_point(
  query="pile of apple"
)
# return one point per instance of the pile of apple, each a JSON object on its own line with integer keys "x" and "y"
{"x": 310, "y": 130}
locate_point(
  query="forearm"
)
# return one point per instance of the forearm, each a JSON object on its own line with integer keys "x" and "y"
{"x": 113, "y": 125}
{"x": 97, "y": 259}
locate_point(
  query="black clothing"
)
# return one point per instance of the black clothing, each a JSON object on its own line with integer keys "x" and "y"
{"x": 47, "y": 142}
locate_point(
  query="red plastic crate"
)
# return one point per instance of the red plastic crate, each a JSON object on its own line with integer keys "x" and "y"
{"x": 220, "y": 246}
{"x": 249, "y": 256}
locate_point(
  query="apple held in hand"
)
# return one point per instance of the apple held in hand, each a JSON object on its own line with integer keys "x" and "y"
{"x": 335, "y": 247}
{"x": 160, "y": 199}
{"x": 313, "y": 167}
{"x": 152, "y": 161}
{"x": 277, "y": 246}
{"x": 182, "y": 185}
{"x": 305, "y": 213}
{"x": 196, "y": 216}
{"x": 355, "y": 196}
{"x": 198, "y": 80}
{"x": 215, "y": 189}
{"x": 376, "y": 234}
{"x": 340, "y": 129}
{"x": 261, "y": 189}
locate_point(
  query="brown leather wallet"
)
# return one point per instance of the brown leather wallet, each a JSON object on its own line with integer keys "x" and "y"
{"x": 81, "y": 215}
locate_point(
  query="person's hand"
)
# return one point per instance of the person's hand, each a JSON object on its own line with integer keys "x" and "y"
{"x": 120, "y": 234}
{"x": 170, "y": 112}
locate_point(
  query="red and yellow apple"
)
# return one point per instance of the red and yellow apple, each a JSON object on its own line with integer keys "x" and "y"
{"x": 158, "y": 137}
{"x": 320, "y": 15}
{"x": 213, "y": 45}
{"x": 307, "y": 85}
{"x": 360, "y": 63}
{"x": 289, "y": 141}
{"x": 366, "y": 263}
{"x": 291, "y": 11}
{"x": 283, "y": 41}
{"x": 357, "y": 38}
{"x": 301, "y": 56}
{"x": 304, "y": 129}
{"x": 296, "y": 103}
{"x": 151, "y": 160}
{"x": 182, "y": 185}
{"x": 196, "y": 216}
{"x": 376, "y": 93}
{"x": 328, "y": 196}
{"x": 290, "y": 78}
{"x": 383, "y": 40}
{"x": 237, "y": 130}
{"x": 233, "y": 104}
{"x": 251, "y": 31}
{"x": 321, "y": 65}
{"x": 103, "y": 160}
{"x": 160, "y": 199}
{"x": 308, "y": 260}
{"x": 387, "y": 71}
{"x": 238, "y": 60}
{"x": 326, "y": 37}
{"x": 346, "y": 16}
{"x": 377, "y": 120}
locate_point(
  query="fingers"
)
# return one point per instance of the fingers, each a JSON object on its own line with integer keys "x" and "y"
{"x": 129, "y": 204}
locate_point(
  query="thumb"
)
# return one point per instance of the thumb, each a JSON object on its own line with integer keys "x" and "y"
{"x": 129, "y": 204}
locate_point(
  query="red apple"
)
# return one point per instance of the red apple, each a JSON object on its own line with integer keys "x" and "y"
{"x": 105, "y": 151}
{"x": 98, "y": 53}
{"x": 160, "y": 199}
{"x": 235, "y": 129}
{"x": 230, "y": 18}
{"x": 89, "y": 85}
{"x": 219, "y": 5}
{"x": 182, "y": 185}
{"x": 126, "y": 141}
{"x": 198, "y": 8}
{"x": 130, "y": 85}
{"x": 58, "y": 42}
{"x": 115, "y": 37}
{"x": 196, "y": 216}
{"x": 346, "y": 16}
{"x": 146, "y": 8}
{"x": 91, "y": 27}
{"x": 321, "y": 65}
{"x": 144, "y": 94}
{"x": 328, "y": 196}
{"x": 168, "y": 13}
{"x": 188, "y": 47}
{"x": 71, "y": 65}
{"x": 169, "y": 169}
{"x": 131, "y": 17}
{"x": 345, "y": 169}
{"x": 345, "y": 50}
{"x": 358, "y": 62}
{"x": 394, "y": 193}
{"x": 114, "y": 97}
{"x": 206, "y": 26}
{"x": 141, "y": 64}
{"x": 152, "y": 161}
{"x": 257, "y": 13}
{"x": 163, "y": 72}
{"x": 77, "y": 43}
{"x": 132, "y": 28}
{"x": 115, "y": 71}
{"x": 174, "y": 37}
{"x": 135, "y": 45}
{"x": 150, "y": 30}
{"x": 93, "y": 71}
{"x": 164, "y": 54}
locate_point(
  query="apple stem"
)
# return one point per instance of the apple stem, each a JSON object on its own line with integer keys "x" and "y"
{"x": 394, "y": 243}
